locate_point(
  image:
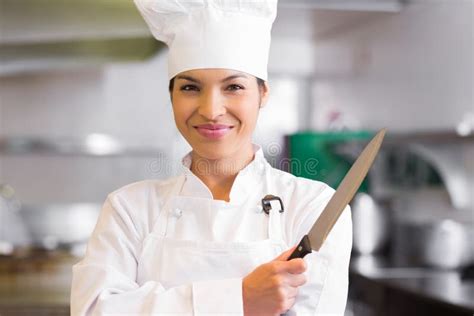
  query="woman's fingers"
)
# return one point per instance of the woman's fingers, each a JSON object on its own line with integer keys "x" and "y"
{"x": 285, "y": 255}
{"x": 290, "y": 274}
{"x": 292, "y": 293}
{"x": 294, "y": 266}
{"x": 273, "y": 286}
{"x": 296, "y": 280}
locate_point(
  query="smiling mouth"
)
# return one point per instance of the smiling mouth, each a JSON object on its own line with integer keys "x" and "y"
{"x": 213, "y": 131}
{"x": 213, "y": 126}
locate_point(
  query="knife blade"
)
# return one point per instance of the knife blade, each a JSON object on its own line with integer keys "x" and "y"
{"x": 338, "y": 202}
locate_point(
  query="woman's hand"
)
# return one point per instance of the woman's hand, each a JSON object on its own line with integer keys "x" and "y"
{"x": 271, "y": 288}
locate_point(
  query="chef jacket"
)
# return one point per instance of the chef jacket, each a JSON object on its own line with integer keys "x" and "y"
{"x": 129, "y": 268}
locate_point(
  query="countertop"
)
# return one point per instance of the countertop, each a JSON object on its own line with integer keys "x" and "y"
{"x": 437, "y": 289}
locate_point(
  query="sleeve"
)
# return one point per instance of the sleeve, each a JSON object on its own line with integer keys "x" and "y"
{"x": 325, "y": 292}
{"x": 104, "y": 281}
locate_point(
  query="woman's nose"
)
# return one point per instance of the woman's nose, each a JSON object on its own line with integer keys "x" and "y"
{"x": 211, "y": 105}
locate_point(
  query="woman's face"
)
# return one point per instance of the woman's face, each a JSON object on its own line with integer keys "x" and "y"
{"x": 216, "y": 110}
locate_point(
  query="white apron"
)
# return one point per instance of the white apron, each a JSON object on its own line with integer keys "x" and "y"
{"x": 174, "y": 262}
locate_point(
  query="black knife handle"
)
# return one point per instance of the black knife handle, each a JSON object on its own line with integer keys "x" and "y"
{"x": 303, "y": 248}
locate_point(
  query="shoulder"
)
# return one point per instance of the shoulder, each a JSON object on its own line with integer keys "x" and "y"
{"x": 140, "y": 202}
{"x": 145, "y": 189}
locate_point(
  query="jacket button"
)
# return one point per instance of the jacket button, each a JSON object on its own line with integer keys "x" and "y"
{"x": 177, "y": 212}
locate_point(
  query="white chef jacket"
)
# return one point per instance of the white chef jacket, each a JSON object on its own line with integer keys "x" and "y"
{"x": 109, "y": 280}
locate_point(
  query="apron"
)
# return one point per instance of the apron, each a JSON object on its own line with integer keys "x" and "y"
{"x": 174, "y": 262}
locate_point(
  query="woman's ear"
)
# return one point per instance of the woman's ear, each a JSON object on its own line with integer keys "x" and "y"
{"x": 264, "y": 94}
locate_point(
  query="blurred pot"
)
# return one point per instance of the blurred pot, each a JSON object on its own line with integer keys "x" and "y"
{"x": 370, "y": 224}
{"x": 442, "y": 243}
{"x": 431, "y": 232}
{"x": 60, "y": 225}
{"x": 13, "y": 233}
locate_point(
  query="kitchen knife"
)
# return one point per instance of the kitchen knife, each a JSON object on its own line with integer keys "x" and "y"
{"x": 338, "y": 202}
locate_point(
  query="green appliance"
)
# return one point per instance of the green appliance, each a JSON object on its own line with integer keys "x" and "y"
{"x": 312, "y": 155}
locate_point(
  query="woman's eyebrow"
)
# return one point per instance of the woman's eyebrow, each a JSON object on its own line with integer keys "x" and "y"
{"x": 189, "y": 78}
{"x": 234, "y": 76}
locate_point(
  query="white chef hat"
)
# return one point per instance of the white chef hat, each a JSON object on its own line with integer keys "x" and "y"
{"x": 232, "y": 34}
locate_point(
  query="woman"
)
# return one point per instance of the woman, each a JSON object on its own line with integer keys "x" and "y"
{"x": 200, "y": 243}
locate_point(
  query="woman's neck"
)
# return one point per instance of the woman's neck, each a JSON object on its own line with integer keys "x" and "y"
{"x": 219, "y": 174}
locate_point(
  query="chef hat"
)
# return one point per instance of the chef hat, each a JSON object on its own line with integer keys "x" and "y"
{"x": 232, "y": 34}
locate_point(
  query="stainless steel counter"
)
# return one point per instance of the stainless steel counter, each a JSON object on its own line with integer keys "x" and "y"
{"x": 36, "y": 285}
{"x": 387, "y": 289}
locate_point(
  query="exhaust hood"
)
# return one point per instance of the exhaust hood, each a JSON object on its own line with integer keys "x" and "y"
{"x": 45, "y": 34}
{"x": 49, "y": 34}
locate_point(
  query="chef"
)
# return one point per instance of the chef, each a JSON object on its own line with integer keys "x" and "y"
{"x": 207, "y": 241}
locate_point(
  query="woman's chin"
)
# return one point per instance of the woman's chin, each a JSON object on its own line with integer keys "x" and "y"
{"x": 212, "y": 151}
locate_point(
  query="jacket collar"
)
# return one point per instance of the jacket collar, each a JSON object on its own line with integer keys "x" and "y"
{"x": 244, "y": 184}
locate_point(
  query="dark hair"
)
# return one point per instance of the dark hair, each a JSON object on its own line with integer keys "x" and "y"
{"x": 260, "y": 83}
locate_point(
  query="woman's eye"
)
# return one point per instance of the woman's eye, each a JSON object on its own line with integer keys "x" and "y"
{"x": 234, "y": 87}
{"x": 189, "y": 87}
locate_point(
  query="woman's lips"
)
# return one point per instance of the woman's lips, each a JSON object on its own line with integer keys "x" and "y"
{"x": 213, "y": 131}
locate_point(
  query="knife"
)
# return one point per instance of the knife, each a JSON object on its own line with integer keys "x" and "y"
{"x": 338, "y": 202}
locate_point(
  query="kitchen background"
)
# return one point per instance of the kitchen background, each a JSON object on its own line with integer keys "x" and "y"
{"x": 84, "y": 110}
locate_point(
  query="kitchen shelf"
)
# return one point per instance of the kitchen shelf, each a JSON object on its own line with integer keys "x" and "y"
{"x": 345, "y": 5}
{"x": 438, "y": 137}
{"x": 424, "y": 137}
{"x": 394, "y": 140}
{"x": 94, "y": 145}
{"x": 29, "y": 57}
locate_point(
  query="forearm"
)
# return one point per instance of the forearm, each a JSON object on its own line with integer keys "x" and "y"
{"x": 100, "y": 290}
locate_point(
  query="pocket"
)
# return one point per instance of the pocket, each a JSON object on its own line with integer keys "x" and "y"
{"x": 175, "y": 262}
{"x": 214, "y": 260}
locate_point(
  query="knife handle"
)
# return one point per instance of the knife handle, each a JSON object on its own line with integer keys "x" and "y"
{"x": 303, "y": 248}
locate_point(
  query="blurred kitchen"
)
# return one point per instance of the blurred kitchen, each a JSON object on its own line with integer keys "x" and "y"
{"x": 85, "y": 109}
